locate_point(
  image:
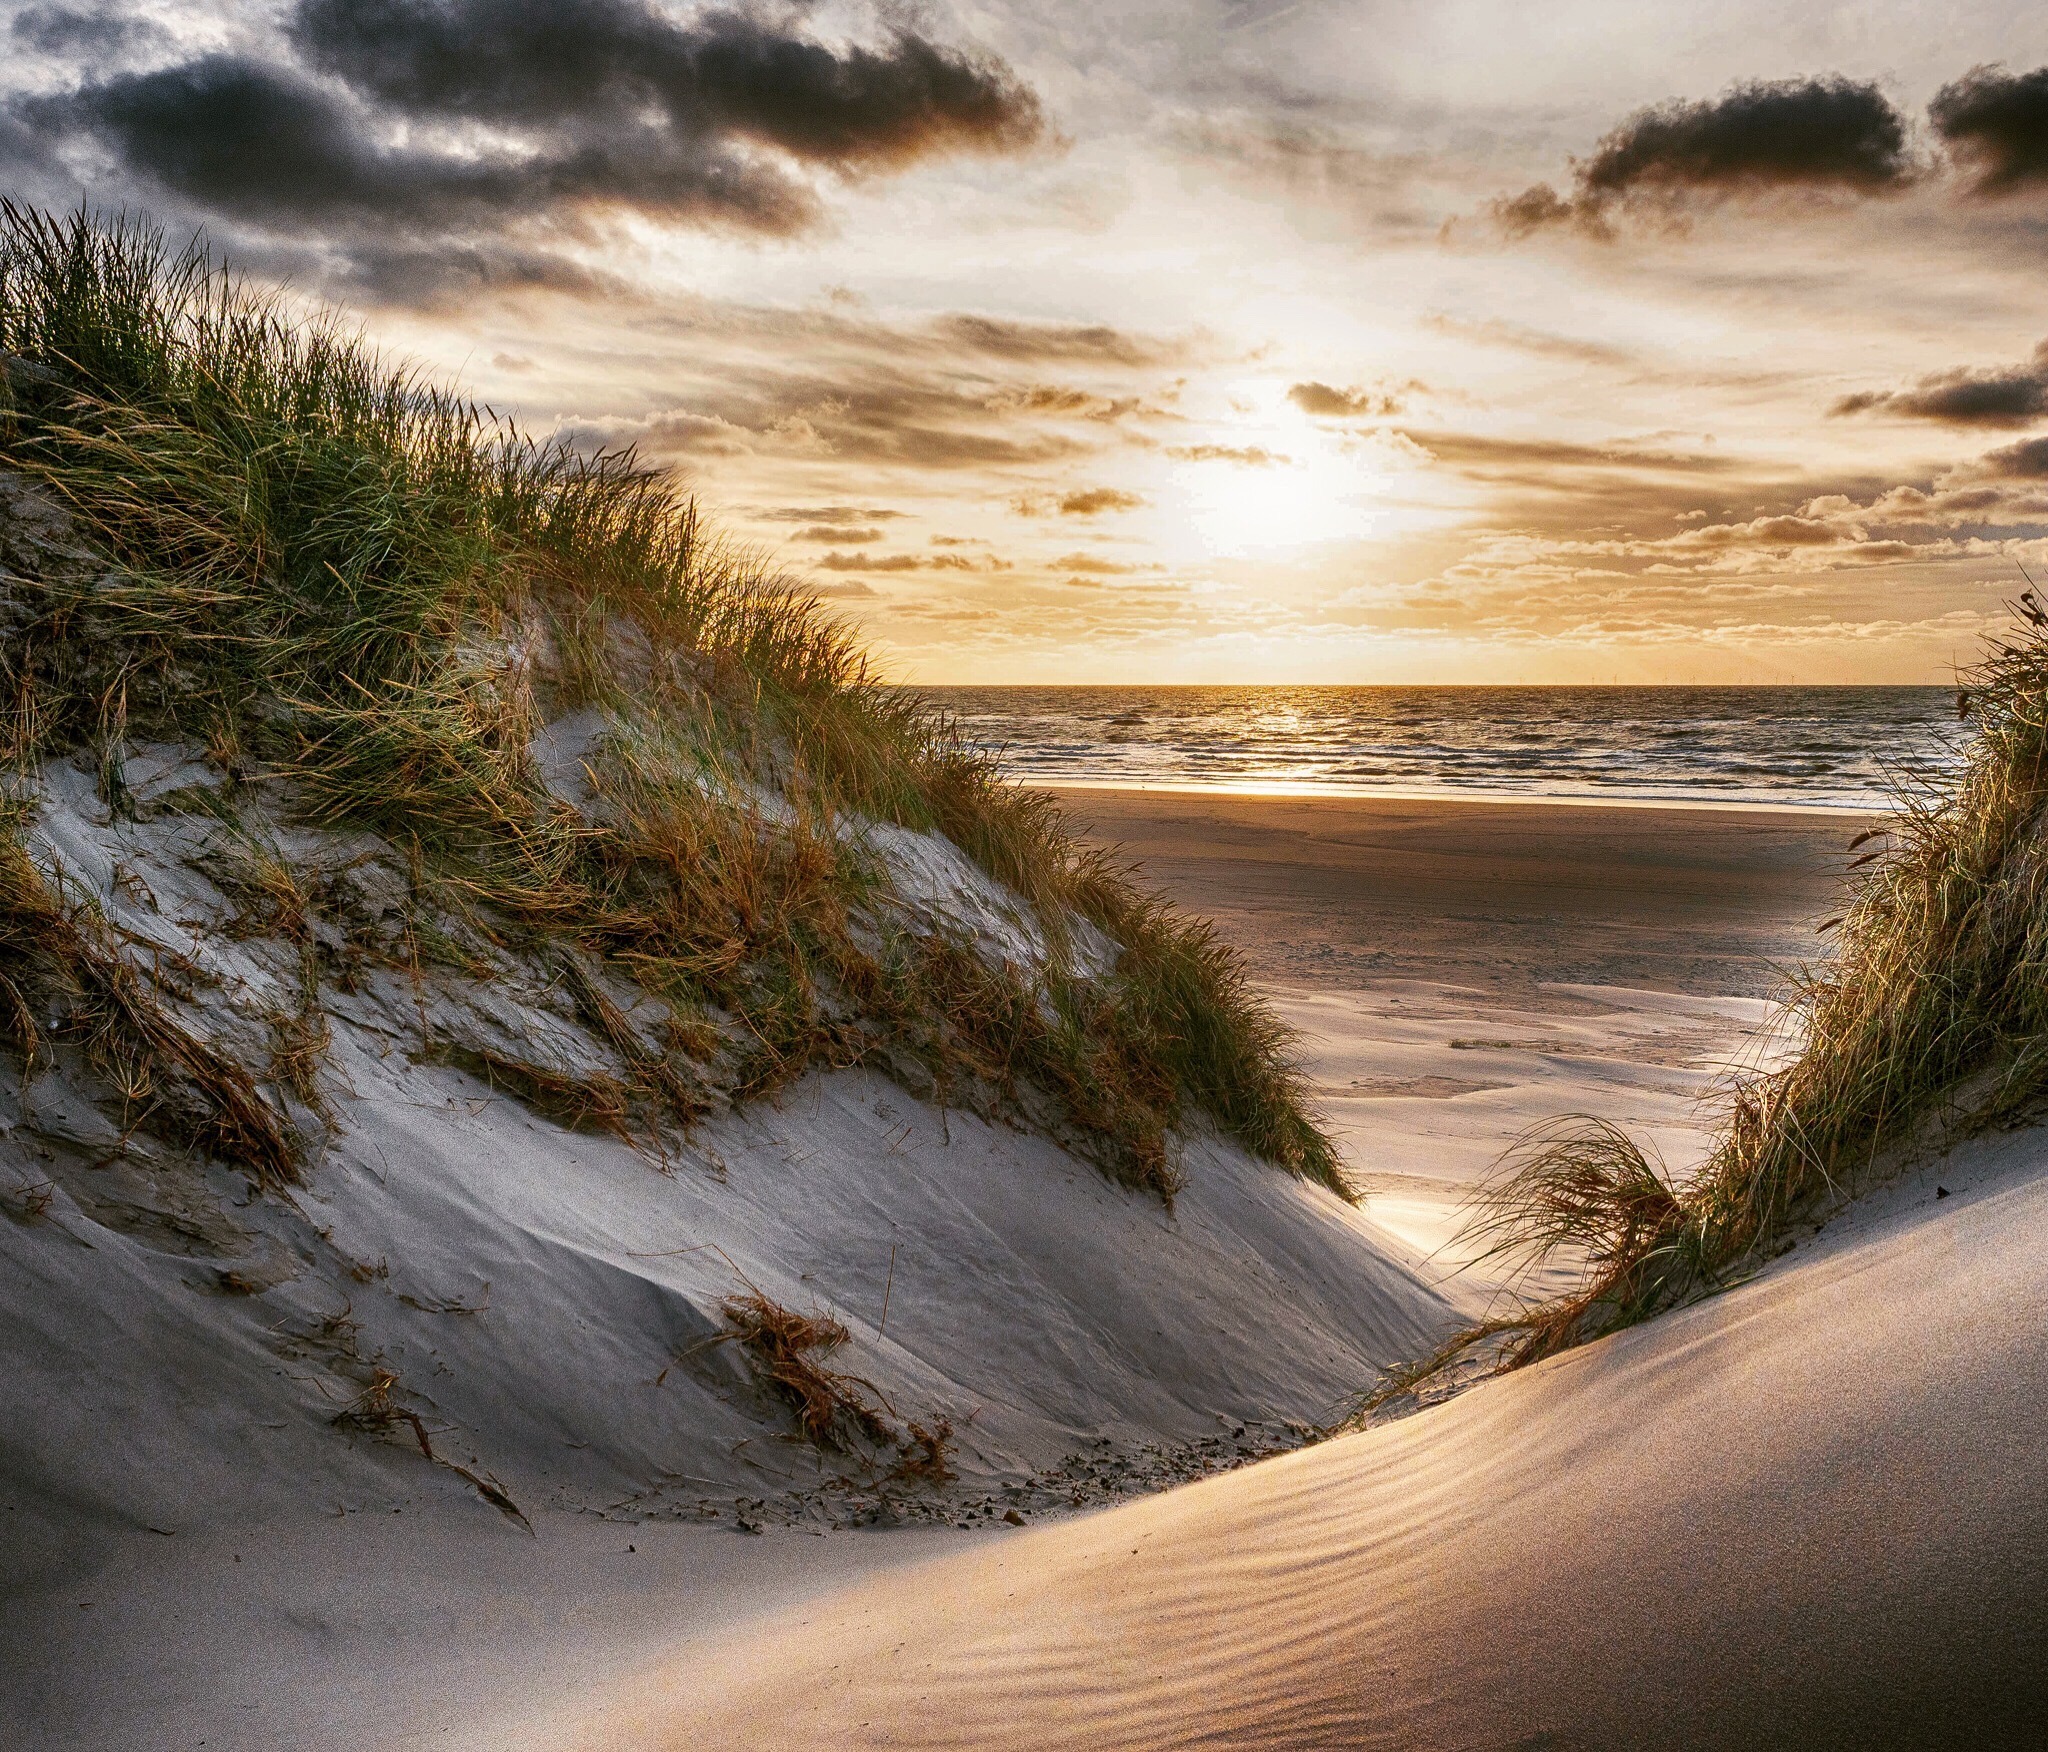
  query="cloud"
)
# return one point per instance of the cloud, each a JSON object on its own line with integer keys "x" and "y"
{"x": 103, "y": 32}
{"x": 2024, "y": 461}
{"x": 1486, "y": 454}
{"x": 1033, "y": 342}
{"x": 1535, "y": 209}
{"x": 2015, "y": 395}
{"x": 1096, "y": 566}
{"x": 1996, "y": 124}
{"x": 865, "y": 562}
{"x": 1831, "y": 133}
{"x": 264, "y": 143}
{"x": 1782, "y": 531}
{"x": 671, "y": 432}
{"x": 397, "y": 128}
{"x": 1827, "y": 134}
{"x": 940, "y": 562}
{"x": 1325, "y": 402}
{"x": 1249, "y": 456}
{"x": 827, "y": 532}
{"x": 1082, "y": 502}
{"x": 1495, "y": 332}
{"x": 565, "y": 66}
{"x": 1059, "y": 402}
{"x": 829, "y": 514}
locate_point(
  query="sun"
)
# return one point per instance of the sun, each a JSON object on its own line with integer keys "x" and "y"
{"x": 1263, "y": 477}
{"x": 1252, "y": 497}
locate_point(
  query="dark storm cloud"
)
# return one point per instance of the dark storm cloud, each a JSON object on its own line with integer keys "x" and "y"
{"x": 438, "y": 139}
{"x": 266, "y": 143}
{"x": 269, "y": 144}
{"x": 1828, "y": 134}
{"x": 98, "y": 31}
{"x": 2024, "y": 461}
{"x": 1831, "y": 133}
{"x": 1996, "y": 124}
{"x": 2014, "y": 396}
{"x": 571, "y": 64}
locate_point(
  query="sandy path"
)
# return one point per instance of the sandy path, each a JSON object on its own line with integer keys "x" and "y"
{"x": 1809, "y": 1513}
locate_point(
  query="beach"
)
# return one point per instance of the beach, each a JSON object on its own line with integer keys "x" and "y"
{"x": 995, "y": 879}
{"x": 1457, "y": 972}
{"x": 1499, "y": 896}
{"x": 1797, "y": 1513}
{"x": 1804, "y": 1513}
{"x": 1460, "y": 971}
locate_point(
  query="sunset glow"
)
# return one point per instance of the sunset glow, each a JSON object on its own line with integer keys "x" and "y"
{"x": 1238, "y": 340}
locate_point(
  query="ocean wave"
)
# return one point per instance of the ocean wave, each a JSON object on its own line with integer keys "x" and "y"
{"x": 1835, "y": 747}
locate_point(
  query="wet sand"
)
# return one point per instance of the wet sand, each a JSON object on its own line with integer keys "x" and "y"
{"x": 1331, "y": 891}
{"x": 1459, "y": 972}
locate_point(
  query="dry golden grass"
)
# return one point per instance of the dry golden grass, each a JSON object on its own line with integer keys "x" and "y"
{"x": 831, "y": 1409}
{"x": 1927, "y": 1022}
{"x": 361, "y": 591}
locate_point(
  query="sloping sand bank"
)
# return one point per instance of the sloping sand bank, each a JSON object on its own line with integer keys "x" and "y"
{"x": 1810, "y": 1512}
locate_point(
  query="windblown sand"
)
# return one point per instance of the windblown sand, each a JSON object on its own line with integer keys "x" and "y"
{"x": 1808, "y": 1512}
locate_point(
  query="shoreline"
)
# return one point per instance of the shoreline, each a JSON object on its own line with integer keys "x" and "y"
{"x": 1309, "y": 791}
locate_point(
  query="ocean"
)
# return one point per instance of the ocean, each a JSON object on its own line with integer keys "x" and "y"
{"x": 1817, "y": 747}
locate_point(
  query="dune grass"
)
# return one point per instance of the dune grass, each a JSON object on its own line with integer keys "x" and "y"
{"x": 354, "y": 587}
{"x": 1927, "y": 1022}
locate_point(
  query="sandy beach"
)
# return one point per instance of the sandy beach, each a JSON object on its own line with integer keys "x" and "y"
{"x": 1499, "y": 896}
{"x": 1001, "y": 879}
{"x": 1795, "y": 1514}
{"x": 1457, "y": 972}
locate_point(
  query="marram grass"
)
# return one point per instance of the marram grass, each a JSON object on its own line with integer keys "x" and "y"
{"x": 360, "y": 590}
{"x": 1927, "y": 1022}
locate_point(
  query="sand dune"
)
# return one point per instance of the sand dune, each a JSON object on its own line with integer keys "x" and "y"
{"x": 1457, "y": 1578}
{"x": 1809, "y": 1512}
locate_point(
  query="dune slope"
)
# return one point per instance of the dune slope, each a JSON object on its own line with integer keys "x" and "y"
{"x": 1808, "y": 1512}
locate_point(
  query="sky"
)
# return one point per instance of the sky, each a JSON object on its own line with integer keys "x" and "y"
{"x": 1212, "y": 341}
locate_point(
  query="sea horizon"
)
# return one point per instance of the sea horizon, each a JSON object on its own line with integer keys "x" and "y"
{"x": 1743, "y": 745}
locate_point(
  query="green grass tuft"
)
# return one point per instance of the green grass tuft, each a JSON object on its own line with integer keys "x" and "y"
{"x": 359, "y": 589}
